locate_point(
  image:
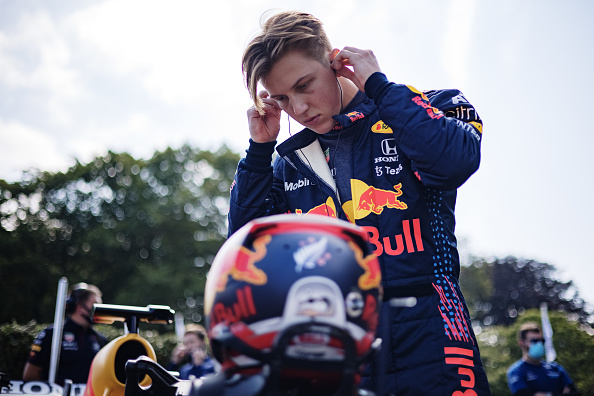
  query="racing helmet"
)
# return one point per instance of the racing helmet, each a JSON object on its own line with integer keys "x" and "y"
{"x": 297, "y": 294}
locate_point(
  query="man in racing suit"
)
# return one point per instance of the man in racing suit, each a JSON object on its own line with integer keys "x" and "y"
{"x": 386, "y": 157}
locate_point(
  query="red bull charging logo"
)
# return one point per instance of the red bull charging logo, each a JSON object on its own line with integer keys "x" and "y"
{"x": 369, "y": 199}
{"x": 244, "y": 268}
{"x": 375, "y": 199}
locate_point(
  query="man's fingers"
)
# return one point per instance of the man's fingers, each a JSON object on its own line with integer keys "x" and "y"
{"x": 271, "y": 103}
{"x": 344, "y": 56}
{"x": 351, "y": 56}
{"x": 355, "y": 64}
{"x": 346, "y": 72}
{"x": 270, "y": 108}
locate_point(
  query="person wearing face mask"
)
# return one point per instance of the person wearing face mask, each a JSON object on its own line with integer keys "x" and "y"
{"x": 80, "y": 342}
{"x": 533, "y": 376}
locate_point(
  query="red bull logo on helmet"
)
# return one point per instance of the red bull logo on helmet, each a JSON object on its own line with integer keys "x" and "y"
{"x": 243, "y": 308}
{"x": 244, "y": 268}
{"x": 372, "y": 276}
{"x": 370, "y": 313}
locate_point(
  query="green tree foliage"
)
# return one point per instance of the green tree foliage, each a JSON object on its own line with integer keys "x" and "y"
{"x": 574, "y": 346}
{"x": 15, "y": 344}
{"x": 497, "y": 291}
{"x": 144, "y": 231}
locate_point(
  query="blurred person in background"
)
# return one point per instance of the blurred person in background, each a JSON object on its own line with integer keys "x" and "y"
{"x": 80, "y": 342}
{"x": 191, "y": 357}
{"x": 533, "y": 376}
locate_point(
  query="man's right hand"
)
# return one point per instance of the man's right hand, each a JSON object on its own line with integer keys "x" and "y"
{"x": 265, "y": 127}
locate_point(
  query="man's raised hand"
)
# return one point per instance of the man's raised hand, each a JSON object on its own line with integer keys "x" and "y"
{"x": 264, "y": 127}
{"x": 363, "y": 64}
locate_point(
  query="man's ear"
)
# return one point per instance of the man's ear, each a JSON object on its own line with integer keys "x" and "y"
{"x": 333, "y": 54}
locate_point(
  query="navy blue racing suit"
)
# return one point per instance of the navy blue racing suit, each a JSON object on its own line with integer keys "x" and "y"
{"x": 409, "y": 152}
{"x": 79, "y": 347}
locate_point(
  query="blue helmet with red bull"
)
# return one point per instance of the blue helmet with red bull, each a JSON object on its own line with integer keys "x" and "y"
{"x": 296, "y": 295}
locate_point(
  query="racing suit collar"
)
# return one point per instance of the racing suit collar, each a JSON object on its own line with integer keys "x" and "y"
{"x": 363, "y": 108}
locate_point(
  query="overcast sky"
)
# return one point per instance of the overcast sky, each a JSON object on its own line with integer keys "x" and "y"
{"x": 78, "y": 78}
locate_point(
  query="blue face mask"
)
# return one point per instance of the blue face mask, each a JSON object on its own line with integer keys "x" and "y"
{"x": 536, "y": 350}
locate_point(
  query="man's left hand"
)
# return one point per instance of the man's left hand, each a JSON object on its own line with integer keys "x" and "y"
{"x": 363, "y": 63}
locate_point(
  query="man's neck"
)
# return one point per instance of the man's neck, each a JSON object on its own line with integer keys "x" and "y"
{"x": 529, "y": 360}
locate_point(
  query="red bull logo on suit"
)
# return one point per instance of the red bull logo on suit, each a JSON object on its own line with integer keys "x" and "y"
{"x": 423, "y": 101}
{"x": 385, "y": 244}
{"x": 375, "y": 199}
{"x": 328, "y": 208}
{"x": 355, "y": 115}
{"x": 368, "y": 199}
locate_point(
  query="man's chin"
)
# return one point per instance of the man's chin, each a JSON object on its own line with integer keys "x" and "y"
{"x": 320, "y": 127}
{"x": 320, "y": 130}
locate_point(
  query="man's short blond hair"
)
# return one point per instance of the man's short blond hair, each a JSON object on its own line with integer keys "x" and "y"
{"x": 281, "y": 33}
